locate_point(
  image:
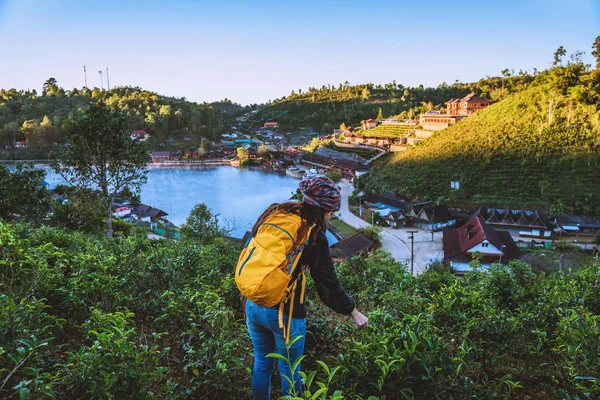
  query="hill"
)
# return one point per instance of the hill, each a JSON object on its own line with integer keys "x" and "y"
{"x": 327, "y": 107}
{"x": 128, "y": 317}
{"x": 41, "y": 119}
{"x": 539, "y": 146}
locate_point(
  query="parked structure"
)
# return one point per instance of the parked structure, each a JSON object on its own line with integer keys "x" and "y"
{"x": 477, "y": 237}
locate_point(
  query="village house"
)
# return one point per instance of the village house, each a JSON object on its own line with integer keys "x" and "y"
{"x": 578, "y": 224}
{"x": 477, "y": 237}
{"x": 140, "y": 134}
{"x": 467, "y": 105}
{"x": 22, "y": 144}
{"x": 292, "y": 154}
{"x": 516, "y": 221}
{"x": 369, "y": 123}
{"x": 148, "y": 213}
{"x": 357, "y": 244}
{"x": 271, "y": 124}
{"x": 429, "y": 216}
{"x": 158, "y": 156}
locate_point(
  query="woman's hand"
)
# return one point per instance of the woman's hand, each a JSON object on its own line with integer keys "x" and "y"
{"x": 359, "y": 319}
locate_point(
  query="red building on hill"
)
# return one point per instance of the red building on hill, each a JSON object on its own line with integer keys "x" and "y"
{"x": 467, "y": 105}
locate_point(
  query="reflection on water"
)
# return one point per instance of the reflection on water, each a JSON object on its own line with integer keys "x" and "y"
{"x": 237, "y": 195}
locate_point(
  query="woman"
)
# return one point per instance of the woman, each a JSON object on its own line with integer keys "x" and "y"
{"x": 321, "y": 198}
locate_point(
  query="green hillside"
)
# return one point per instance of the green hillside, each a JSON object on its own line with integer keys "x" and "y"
{"x": 41, "y": 119}
{"x": 327, "y": 107}
{"x": 539, "y": 146}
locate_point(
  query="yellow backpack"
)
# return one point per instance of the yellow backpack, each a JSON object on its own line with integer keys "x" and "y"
{"x": 267, "y": 263}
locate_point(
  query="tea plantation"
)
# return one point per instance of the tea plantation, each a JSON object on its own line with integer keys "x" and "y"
{"x": 88, "y": 317}
{"x": 539, "y": 146}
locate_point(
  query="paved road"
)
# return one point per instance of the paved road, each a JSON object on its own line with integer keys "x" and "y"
{"x": 390, "y": 240}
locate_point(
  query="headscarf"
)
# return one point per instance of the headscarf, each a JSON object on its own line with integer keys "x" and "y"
{"x": 320, "y": 191}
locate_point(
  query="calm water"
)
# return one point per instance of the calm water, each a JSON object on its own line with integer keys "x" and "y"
{"x": 237, "y": 195}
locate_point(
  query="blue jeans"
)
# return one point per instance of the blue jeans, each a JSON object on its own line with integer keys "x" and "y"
{"x": 267, "y": 337}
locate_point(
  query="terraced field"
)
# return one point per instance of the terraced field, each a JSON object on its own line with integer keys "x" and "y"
{"x": 391, "y": 131}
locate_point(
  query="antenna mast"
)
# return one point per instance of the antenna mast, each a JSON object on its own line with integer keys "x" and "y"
{"x": 85, "y": 76}
{"x": 101, "y": 81}
{"x": 107, "y": 81}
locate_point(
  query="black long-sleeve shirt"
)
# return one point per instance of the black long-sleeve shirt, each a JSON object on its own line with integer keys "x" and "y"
{"x": 322, "y": 271}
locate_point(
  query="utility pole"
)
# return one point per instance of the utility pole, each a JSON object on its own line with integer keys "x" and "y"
{"x": 412, "y": 251}
{"x": 107, "y": 81}
{"x": 432, "y": 222}
{"x": 85, "y": 76}
{"x": 101, "y": 81}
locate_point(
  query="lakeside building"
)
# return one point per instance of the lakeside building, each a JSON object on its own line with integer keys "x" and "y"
{"x": 158, "y": 156}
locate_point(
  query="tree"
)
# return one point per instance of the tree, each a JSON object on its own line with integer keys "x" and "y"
{"x": 263, "y": 151}
{"x": 558, "y": 55}
{"x": 23, "y": 194}
{"x": 597, "y": 238}
{"x": 596, "y": 52}
{"x": 380, "y": 114}
{"x": 201, "y": 224}
{"x": 50, "y": 87}
{"x": 31, "y": 130}
{"x": 101, "y": 155}
{"x": 343, "y": 127}
{"x": 242, "y": 155}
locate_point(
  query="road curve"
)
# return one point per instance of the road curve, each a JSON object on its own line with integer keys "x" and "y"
{"x": 396, "y": 247}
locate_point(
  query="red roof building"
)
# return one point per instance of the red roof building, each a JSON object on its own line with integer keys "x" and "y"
{"x": 467, "y": 105}
{"x": 477, "y": 237}
{"x": 271, "y": 125}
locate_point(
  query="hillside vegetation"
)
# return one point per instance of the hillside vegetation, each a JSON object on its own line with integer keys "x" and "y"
{"x": 539, "y": 146}
{"x": 89, "y": 317}
{"x": 327, "y": 107}
{"x": 42, "y": 119}
{"x": 389, "y": 130}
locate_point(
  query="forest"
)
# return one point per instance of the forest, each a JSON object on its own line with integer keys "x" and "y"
{"x": 42, "y": 119}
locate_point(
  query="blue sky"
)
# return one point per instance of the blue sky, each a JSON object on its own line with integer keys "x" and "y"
{"x": 255, "y": 51}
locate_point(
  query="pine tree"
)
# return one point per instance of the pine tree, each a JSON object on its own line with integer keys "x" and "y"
{"x": 380, "y": 114}
{"x": 596, "y": 52}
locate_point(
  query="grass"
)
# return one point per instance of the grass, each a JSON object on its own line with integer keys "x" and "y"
{"x": 343, "y": 227}
{"x": 391, "y": 131}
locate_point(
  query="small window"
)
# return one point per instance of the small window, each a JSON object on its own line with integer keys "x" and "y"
{"x": 484, "y": 244}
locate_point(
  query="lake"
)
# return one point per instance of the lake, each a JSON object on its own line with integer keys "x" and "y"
{"x": 238, "y": 195}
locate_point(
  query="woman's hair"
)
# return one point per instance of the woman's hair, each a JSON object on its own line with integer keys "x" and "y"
{"x": 310, "y": 215}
